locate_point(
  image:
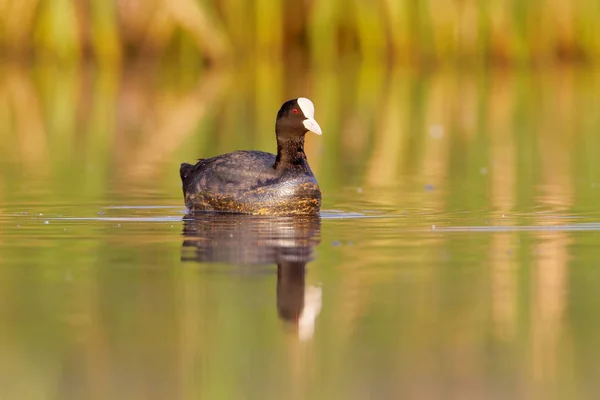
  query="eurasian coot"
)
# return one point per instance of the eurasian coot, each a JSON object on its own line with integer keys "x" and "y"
{"x": 255, "y": 182}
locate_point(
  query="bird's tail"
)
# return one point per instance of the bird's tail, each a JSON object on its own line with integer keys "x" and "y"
{"x": 185, "y": 170}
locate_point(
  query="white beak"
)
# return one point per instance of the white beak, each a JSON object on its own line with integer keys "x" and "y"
{"x": 312, "y": 126}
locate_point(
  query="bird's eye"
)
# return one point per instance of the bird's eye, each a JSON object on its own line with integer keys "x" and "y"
{"x": 295, "y": 111}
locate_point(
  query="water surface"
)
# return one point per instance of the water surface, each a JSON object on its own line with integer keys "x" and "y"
{"x": 456, "y": 255}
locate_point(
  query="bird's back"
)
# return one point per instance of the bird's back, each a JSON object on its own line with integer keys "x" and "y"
{"x": 246, "y": 181}
{"x": 231, "y": 172}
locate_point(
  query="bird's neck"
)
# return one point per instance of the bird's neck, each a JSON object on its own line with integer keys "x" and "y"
{"x": 290, "y": 152}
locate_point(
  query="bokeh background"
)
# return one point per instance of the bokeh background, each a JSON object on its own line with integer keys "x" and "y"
{"x": 130, "y": 88}
{"x": 406, "y": 32}
{"x": 440, "y": 112}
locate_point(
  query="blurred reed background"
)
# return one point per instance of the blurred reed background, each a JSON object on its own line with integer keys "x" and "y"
{"x": 163, "y": 90}
{"x": 224, "y": 30}
{"x": 515, "y": 140}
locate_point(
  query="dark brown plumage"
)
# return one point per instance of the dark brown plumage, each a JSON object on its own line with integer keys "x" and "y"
{"x": 255, "y": 182}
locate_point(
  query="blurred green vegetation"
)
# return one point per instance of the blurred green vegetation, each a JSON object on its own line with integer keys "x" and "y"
{"x": 514, "y": 129}
{"x": 218, "y": 31}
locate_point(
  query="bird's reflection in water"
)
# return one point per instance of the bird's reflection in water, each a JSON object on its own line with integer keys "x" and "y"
{"x": 247, "y": 240}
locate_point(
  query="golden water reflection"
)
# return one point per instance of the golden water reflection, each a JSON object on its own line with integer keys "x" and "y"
{"x": 251, "y": 241}
{"x": 381, "y": 127}
{"x": 477, "y": 278}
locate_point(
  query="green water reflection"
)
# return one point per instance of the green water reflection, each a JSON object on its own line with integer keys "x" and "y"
{"x": 456, "y": 255}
